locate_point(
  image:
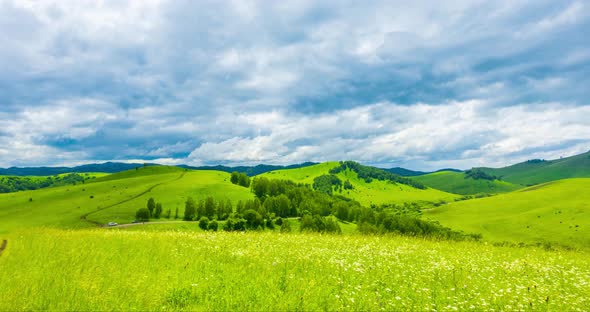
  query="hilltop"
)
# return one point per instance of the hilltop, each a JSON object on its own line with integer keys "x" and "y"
{"x": 250, "y": 170}
{"x": 461, "y": 183}
{"x": 374, "y": 191}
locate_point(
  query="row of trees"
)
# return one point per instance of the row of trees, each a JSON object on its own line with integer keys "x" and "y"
{"x": 152, "y": 210}
{"x": 239, "y": 178}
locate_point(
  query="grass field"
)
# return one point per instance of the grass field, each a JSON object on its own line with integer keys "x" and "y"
{"x": 555, "y": 212}
{"x": 455, "y": 182}
{"x": 94, "y": 270}
{"x": 376, "y": 192}
{"x": 113, "y": 198}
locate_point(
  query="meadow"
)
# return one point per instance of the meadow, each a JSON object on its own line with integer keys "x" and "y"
{"x": 555, "y": 212}
{"x": 66, "y": 262}
{"x": 97, "y": 269}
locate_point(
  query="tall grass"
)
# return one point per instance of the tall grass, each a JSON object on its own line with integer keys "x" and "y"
{"x": 138, "y": 270}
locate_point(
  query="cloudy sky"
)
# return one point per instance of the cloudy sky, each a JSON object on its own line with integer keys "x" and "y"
{"x": 389, "y": 83}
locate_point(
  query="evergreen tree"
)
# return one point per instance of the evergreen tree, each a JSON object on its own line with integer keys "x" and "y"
{"x": 158, "y": 210}
{"x": 151, "y": 205}
{"x": 189, "y": 209}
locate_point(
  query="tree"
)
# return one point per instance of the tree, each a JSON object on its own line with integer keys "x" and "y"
{"x": 260, "y": 186}
{"x": 189, "y": 209}
{"x": 204, "y": 223}
{"x": 243, "y": 180}
{"x": 143, "y": 214}
{"x": 158, "y": 210}
{"x": 151, "y": 205}
{"x": 168, "y": 212}
{"x": 341, "y": 209}
{"x": 234, "y": 177}
{"x": 210, "y": 207}
{"x": 176, "y": 213}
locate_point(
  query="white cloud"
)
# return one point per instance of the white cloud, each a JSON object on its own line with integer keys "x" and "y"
{"x": 470, "y": 133}
{"x": 256, "y": 81}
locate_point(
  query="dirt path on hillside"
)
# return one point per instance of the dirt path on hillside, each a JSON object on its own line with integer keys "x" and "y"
{"x": 126, "y": 225}
{"x": 85, "y": 216}
{"x": 3, "y": 246}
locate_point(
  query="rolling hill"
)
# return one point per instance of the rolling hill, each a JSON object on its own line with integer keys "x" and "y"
{"x": 249, "y": 170}
{"x": 539, "y": 171}
{"x": 376, "y": 192}
{"x": 554, "y": 212}
{"x": 459, "y": 183}
{"x": 114, "y": 197}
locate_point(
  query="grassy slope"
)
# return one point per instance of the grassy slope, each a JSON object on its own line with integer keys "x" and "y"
{"x": 100, "y": 270}
{"x": 196, "y": 184}
{"x": 542, "y": 213}
{"x": 376, "y": 192}
{"x": 455, "y": 182}
{"x": 532, "y": 173}
{"x": 63, "y": 206}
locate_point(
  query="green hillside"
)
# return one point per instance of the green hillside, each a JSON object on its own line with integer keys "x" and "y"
{"x": 458, "y": 183}
{"x": 113, "y": 198}
{"x": 540, "y": 171}
{"x": 554, "y": 212}
{"x": 376, "y": 192}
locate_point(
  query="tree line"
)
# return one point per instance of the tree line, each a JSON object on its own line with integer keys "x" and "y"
{"x": 11, "y": 184}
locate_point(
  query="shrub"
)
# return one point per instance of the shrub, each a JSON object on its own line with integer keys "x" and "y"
{"x": 285, "y": 226}
{"x": 204, "y": 223}
{"x": 213, "y": 226}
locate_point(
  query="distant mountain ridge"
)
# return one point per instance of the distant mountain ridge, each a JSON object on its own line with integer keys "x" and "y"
{"x": 107, "y": 167}
{"x": 115, "y": 167}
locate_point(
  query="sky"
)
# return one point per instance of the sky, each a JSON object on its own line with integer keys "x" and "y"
{"x": 418, "y": 84}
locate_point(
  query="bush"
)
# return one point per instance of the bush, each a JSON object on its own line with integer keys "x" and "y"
{"x": 204, "y": 223}
{"x": 253, "y": 219}
{"x": 213, "y": 226}
{"x": 142, "y": 214}
{"x": 234, "y": 224}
